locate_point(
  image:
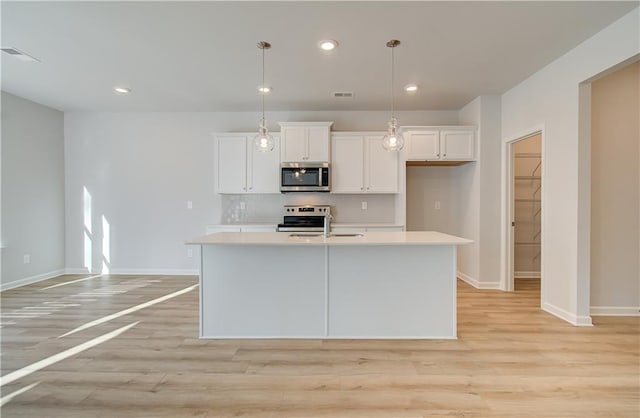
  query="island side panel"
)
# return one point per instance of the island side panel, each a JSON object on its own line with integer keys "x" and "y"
{"x": 392, "y": 291}
{"x": 262, "y": 291}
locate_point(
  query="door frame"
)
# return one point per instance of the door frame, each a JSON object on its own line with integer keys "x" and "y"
{"x": 508, "y": 240}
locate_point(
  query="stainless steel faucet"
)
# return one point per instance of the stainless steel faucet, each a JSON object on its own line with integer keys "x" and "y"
{"x": 327, "y": 225}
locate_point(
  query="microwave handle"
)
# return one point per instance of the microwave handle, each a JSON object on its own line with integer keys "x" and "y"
{"x": 320, "y": 176}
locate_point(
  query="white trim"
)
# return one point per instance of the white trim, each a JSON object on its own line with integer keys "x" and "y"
{"x": 583, "y": 321}
{"x": 32, "y": 279}
{"x": 155, "y": 272}
{"x": 477, "y": 284}
{"x": 334, "y": 337}
{"x": 80, "y": 270}
{"x": 527, "y": 274}
{"x": 615, "y": 311}
{"x": 506, "y": 197}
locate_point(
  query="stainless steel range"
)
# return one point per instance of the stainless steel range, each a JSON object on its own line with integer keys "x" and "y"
{"x": 307, "y": 218}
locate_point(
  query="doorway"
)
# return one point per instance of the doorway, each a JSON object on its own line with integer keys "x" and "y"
{"x": 525, "y": 209}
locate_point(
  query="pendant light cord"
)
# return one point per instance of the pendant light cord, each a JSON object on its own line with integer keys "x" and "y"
{"x": 392, "y": 77}
{"x": 263, "y": 92}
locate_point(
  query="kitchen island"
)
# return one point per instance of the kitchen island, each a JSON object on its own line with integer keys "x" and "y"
{"x": 373, "y": 285}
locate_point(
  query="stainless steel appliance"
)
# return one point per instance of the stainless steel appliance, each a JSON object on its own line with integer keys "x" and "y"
{"x": 304, "y": 177}
{"x": 308, "y": 218}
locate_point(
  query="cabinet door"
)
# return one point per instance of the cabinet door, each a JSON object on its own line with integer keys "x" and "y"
{"x": 263, "y": 168}
{"x": 294, "y": 144}
{"x": 456, "y": 145}
{"x": 347, "y": 162}
{"x": 232, "y": 164}
{"x": 318, "y": 144}
{"x": 424, "y": 145}
{"x": 381, "y": 167}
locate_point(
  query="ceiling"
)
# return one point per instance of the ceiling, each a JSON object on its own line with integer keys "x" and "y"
{"x": 202, "y": 56}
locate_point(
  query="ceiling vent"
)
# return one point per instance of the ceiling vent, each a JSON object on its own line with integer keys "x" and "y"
{"x": 23, "y": 56}
{"x": 343, "y": 94}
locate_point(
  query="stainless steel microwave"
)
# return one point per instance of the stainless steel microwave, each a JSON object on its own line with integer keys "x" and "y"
{"x": 304, "y": 177}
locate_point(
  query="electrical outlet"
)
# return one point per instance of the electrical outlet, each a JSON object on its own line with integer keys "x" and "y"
{"x": 190, "y": 252}
{"x": 364, "y": 205}
{"x": 26, "y": 259}
{"x": 437, "y": 205}
{"x": 243, "y": 205}
{"x": 189, "y": 204}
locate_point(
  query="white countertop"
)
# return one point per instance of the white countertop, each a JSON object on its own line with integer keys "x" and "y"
{"x": 368, "y": 238}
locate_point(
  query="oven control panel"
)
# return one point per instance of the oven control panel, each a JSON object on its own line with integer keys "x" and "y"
{"x": 307, "y": 210}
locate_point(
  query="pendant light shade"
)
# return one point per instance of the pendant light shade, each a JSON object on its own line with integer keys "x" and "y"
{"x": 393, "y": 140}
{"x": 263, "y": 141}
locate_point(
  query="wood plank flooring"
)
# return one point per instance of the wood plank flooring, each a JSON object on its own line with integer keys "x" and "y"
{"x": 511, "y": 360}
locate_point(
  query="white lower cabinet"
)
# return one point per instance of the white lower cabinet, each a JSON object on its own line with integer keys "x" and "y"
{"x": 360, "y": 164}
{"x": 243, "y": 169}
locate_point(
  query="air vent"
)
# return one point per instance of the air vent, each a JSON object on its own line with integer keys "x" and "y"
{"x": 23, "y": 56}
{"x": 343, "y": 94}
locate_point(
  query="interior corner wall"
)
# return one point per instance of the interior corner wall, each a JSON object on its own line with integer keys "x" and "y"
{"x": 479, "y": 196}
{"x": 550, "y": 98}
{"x": 468, "y": 200}
{"x": 615, "y": 207}
{"x": 32, "y": 192}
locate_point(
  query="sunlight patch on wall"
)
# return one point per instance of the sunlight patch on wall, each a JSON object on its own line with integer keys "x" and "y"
{"x": 87, "y": 229}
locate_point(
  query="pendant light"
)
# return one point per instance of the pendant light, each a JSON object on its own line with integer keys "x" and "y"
{"x": 393, "y": 140}
{"x": 263, "y": 141}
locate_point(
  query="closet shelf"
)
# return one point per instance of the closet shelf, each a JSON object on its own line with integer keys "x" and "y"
{"x": 528, "y": 155}
{"x": 527, "y": 177}
{"x": 529, "y": 200}
{"x": 527, "y": 243}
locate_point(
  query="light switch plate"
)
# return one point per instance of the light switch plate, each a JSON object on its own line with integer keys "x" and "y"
{"x": 364, "y": 205}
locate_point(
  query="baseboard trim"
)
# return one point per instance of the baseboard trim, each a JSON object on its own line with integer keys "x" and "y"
{"x": 615, "y": 310}
{"x": 32, "y": 279}
{"x": 579, "y": 321}
{"x": 477, "y": 284}
{"x": 156, "y": 272}
{"x": 77, "y": 271}
{"x": 527, "y": 274}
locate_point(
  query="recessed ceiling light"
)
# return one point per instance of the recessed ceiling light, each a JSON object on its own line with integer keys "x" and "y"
{"x": 411, "y": 88}
{"x": 122, "y": 90}
{"x": 328, "y": 45}
{"x": 264, "y": 89}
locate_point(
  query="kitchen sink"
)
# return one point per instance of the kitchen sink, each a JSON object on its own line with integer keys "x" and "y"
{"x": 346, "y": 235}
{"x": 305, "y": 235}
{"x": 322, "y": 235}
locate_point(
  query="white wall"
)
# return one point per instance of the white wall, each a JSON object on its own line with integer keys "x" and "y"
{"x": 32, "y": 191}
{"x": 425, "y": 186}
{"x": 479, "y": 196}
{"x": 550, "y": 98}
{"x": 615, "y": 205}
{"x": 141, "y": 168}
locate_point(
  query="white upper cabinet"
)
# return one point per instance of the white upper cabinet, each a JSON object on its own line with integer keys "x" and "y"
{"x": 305, "y": 141}
{"x": 440, "y": 144}
{"x": 347, "y": 164}
{"x": 243, "y": 169}
{"x": 381, "y": 167}
{"x": 359, "y": 164}
{"x": 423, "y": 145}
{"x": 457, "y": 145}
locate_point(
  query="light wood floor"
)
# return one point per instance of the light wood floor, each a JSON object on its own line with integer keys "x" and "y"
{"x": 511, "y": 360}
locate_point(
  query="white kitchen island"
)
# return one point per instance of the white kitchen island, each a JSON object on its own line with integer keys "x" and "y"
{"x": 379, "y": 285}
